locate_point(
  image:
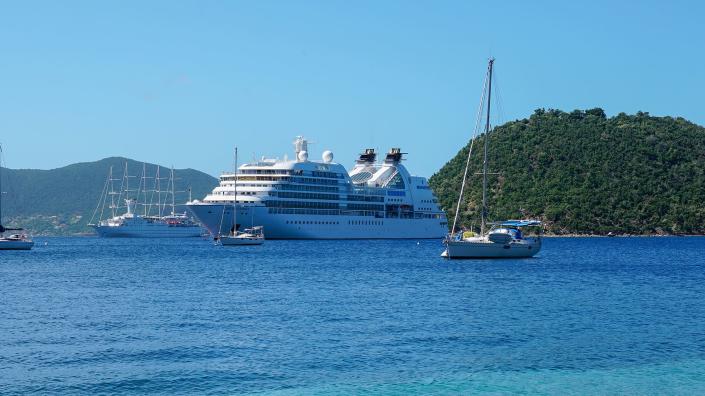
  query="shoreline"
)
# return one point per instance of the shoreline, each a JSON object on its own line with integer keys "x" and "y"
{"x": 620, "y": 235}
{"x": 82, "y": 235}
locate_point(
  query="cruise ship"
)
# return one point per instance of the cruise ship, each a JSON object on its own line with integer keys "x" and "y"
{"x": 305, "y": 199}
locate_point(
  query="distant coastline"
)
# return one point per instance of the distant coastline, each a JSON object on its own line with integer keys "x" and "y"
{"x": 620, "y": 235}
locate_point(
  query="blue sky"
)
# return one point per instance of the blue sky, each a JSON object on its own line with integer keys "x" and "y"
{"x": 182, "y": 82}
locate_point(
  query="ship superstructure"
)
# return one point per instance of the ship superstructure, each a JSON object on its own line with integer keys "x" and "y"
{"x": 304, "y": 199}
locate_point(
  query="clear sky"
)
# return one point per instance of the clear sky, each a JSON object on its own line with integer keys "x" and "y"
{"x": 182, "y": 82}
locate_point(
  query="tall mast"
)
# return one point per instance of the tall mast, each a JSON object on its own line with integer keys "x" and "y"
{"x": 235, "y": 198}
{"x": 158, "y": 186}
{"x": 484, "y": 158}
{"x": 173, "y": 181}
{"x": 143, "y": 185}
{"x": 127, "y": 183}
{"x": 2, "y": 229}
{"x": 112, "y": 192}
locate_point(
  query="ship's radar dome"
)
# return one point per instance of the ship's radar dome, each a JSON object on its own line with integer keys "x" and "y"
{"x": 327, "y": 156}
{"x": 303, "y": 155}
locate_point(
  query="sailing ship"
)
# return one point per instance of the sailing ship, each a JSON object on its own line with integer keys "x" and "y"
{"x": 249, "y": 236}
{"x": 503, "y": 239}
{"x": 15, "y": 241}
{"x": 152, "y": 222}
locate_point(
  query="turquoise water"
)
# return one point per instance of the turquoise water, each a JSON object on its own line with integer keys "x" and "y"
{"x": 586, "y": 316}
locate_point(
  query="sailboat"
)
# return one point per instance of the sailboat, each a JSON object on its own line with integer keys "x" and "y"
{"x": 503, "y": 239}
{"x": 250, "y": 236}
{"x": 133, "y": 224}
{"x": 16, "y": 241}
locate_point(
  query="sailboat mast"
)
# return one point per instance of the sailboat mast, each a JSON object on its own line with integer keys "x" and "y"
{"x": 158, "y": 186}
{"x": 2, "y": 229}
{"x": 143, "y": 185}
{"x": 235, "y": 198}
{"x": 484, "y": 158}
{"x": 127, "y": 183}
{"x": 112, "y": 192}
{"x": 173, "y": 188}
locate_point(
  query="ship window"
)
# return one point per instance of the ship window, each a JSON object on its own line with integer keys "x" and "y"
{"x": 396, "y": 182}
{"x": 361, "y": 177}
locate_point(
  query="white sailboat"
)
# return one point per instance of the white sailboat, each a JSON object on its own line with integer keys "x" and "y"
{"x": 17, "y": 241}
{"x": 133, "y": 224}
{"x": 503, "y": 239}
{"x": 250, "y": 236}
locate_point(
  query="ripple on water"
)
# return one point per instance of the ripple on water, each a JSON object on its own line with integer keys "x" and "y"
{"x": 612, "y": 315}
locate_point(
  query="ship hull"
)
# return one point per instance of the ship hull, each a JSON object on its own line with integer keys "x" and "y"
{"x": 217, "y": 218}
{"x": 148, "y": 231}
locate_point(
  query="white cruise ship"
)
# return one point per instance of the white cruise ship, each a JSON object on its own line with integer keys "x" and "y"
{"x": 303, "y": 199}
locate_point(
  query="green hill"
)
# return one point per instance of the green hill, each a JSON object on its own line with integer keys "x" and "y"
{"x": 61, "y": 201}
{"x": 582, "y": 172}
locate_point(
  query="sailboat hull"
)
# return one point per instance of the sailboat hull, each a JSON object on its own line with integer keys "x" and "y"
{"x": 528, "y": 247}
{"x": 8, "y": 244}
{"x": 240, "y": 240}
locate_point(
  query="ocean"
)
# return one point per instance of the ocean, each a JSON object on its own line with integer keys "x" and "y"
{"x": 130, "y": 316}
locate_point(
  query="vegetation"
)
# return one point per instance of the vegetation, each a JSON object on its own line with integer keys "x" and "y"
{"x": 61, "y": 201}
{"x": 582, "y": 172}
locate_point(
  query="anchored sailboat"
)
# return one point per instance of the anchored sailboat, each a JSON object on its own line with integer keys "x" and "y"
{"x": 146, "y": 225}
{"x": 503, "y": 239}
{"x": 250, "y": 236}
{"x": 16, "y": 241}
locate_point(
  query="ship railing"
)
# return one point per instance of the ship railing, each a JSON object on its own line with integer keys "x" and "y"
{"x": 327, "y": 212}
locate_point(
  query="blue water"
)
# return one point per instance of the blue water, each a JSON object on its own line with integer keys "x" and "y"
{"x": 588, "y": 315}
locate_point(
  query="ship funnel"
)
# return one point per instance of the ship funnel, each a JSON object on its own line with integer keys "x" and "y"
{"x": 394, "y": 155}
{"x": 368, "y": 157}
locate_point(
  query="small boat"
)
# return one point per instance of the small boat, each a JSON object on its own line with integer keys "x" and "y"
{"x": 19, "y": 241}
{"x": 504, "y": 239}
{"x": 249, "y": 236}
{"x": 15, "y": 241}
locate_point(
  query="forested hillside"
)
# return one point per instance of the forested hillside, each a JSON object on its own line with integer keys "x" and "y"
{"x": 61, "y": 201}
{"x": 582, "y": 172}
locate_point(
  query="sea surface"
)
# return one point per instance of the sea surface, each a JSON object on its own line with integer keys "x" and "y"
{"x": 128, "y": 316}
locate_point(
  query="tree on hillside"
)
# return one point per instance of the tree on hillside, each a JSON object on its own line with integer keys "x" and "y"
{"x": 582, "y": 172}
